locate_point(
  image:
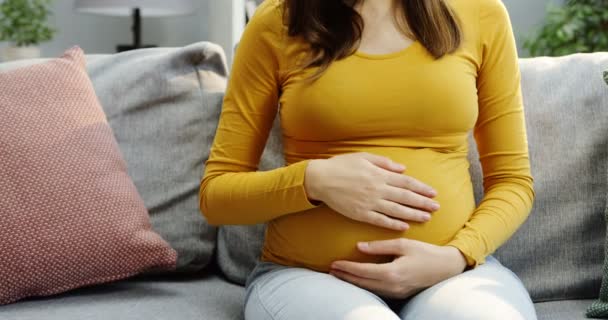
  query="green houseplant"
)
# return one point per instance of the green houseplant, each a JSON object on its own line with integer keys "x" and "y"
{"x": 23, "y": 23}
{"x": 577, "y": 26}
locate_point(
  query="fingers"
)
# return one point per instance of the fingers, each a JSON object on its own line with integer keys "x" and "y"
{"x": 402, "y": 212}
{"x": 383, "y": 162}
{"x": 363, "y": 270}
{"x": 411, "y": 199}
{"x": 412, "y": 184}
{"x": 384, "y": 221}
{"x": 397, "y": 247}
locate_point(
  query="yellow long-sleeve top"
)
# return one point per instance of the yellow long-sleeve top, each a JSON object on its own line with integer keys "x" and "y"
{"x": 405, "y": 105}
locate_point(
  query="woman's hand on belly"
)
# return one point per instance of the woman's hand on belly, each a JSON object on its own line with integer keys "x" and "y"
{"x": 370, "y": 188}
{"x": 417, "y": 265}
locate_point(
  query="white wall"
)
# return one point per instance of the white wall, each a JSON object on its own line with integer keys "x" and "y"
{"x": 101, "y": 34}
{"x": 226, "y": 20}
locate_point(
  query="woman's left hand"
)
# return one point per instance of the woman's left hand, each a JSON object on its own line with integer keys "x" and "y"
{"x": 417, "y": 266}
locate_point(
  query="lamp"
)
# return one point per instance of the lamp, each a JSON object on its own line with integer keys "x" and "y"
{"x": 136, "y": 9}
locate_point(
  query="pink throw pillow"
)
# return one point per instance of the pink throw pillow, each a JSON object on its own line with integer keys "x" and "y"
{"x": 70, "y": 215}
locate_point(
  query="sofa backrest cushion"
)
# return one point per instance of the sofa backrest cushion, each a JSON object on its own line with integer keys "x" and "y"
{"x": 163, "y": 105}
{"x": 558, "y": 252}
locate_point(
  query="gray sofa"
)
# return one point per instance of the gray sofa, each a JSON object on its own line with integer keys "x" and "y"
{"x": 164, "y": 103}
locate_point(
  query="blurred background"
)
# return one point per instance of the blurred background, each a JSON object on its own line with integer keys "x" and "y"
{"x": 222, "y": 21}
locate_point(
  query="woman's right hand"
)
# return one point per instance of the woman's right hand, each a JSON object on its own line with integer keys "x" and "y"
{"x": 371, "y": 189}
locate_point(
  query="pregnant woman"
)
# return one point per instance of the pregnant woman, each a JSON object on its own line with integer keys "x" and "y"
{"x": 373, "y": 216}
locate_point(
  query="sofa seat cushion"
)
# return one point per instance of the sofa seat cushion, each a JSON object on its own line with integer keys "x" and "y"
{"x": 185, "y": 298}
{"x": 562, "y": 310}
{"x": 208, "y": 298}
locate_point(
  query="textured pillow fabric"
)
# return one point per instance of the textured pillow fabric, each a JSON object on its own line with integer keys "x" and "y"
{"x": 70, "y": 216}
{"x": 163, "y": 105}
{"x": 558, "y": 252}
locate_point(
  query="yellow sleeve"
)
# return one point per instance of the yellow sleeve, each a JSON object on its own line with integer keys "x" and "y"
{"x": 232, "y": 191}
{"x": 500, "y": 133}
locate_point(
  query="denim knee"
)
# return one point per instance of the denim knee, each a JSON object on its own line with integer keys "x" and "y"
{"x": 490, "y": 291}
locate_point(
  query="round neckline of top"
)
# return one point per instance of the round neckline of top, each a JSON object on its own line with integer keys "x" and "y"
{"x": 390, "y": 55}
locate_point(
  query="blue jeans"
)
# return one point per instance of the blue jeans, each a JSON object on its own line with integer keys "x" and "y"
{"x": 488, "y": 292}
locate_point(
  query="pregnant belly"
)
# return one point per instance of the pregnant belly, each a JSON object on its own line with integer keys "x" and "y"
{"x": 315, "y": 238}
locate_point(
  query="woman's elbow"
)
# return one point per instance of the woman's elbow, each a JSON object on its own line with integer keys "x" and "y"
{"x": 212, "y": 216}
{"x": 532, "y": 192}
{"x": 525, "y": 184}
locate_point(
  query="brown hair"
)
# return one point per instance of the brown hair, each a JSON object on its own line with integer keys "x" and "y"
{"x": 333, "y": 28}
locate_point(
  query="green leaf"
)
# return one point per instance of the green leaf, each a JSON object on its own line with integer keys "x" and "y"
{"x": 577, "y": 26}
{"x": 24, "y": 22}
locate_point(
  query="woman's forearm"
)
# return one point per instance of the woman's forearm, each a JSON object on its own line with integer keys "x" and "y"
{"x": 253, "y": 197}
{"x": 504, "y": 209}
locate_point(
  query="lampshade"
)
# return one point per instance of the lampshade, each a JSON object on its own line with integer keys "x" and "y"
{"x": 149, "y": 8}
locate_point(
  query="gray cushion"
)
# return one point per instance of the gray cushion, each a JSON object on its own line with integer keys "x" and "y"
{"x": 562, "y": 310}
{"x": 208, "y": 298}
{"x": 163, "y": 105}
{"x": 558, "y": 253}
